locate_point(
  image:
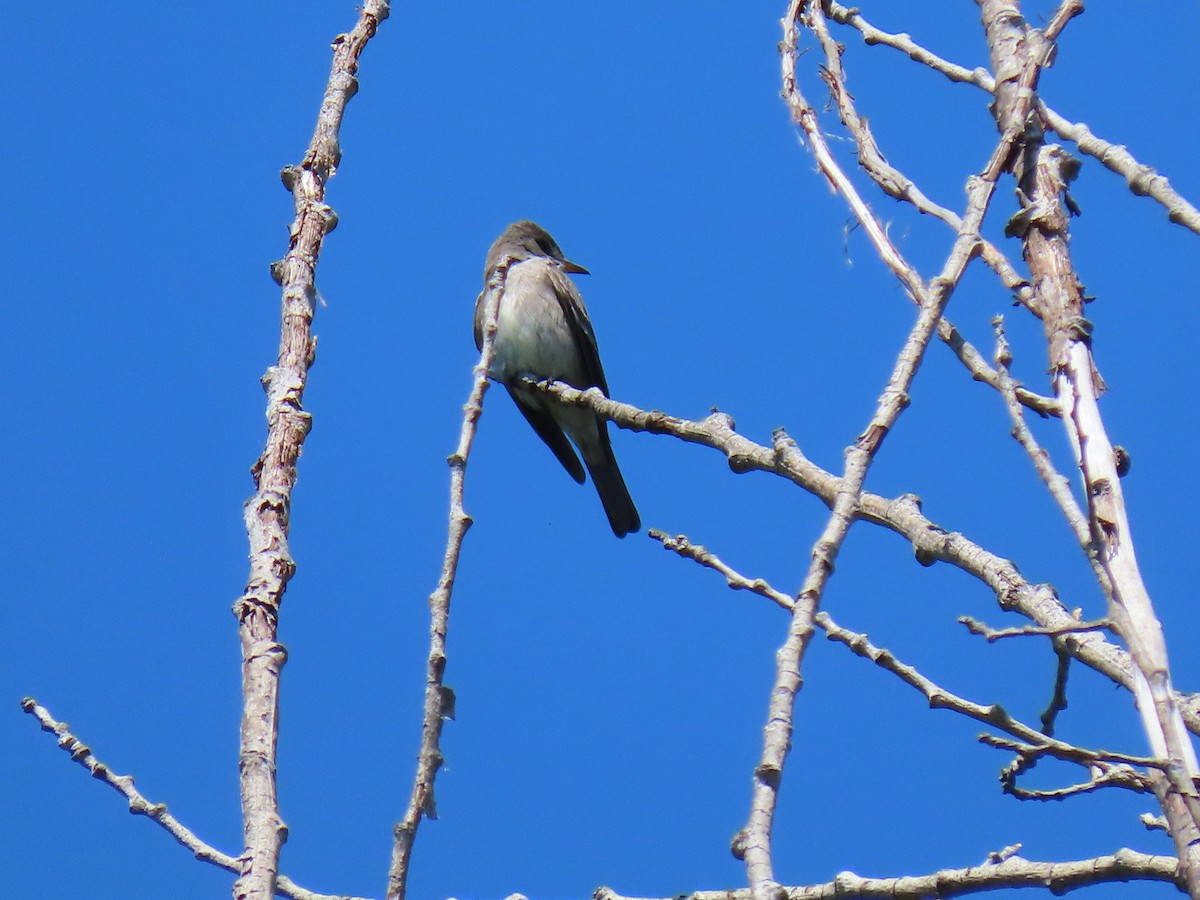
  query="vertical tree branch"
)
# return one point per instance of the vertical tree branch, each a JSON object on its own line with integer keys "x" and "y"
{"x": 1078, "y": 385}
{"x": 1044, "y": 173}
{"x": 439, "y": 699}
{"x": 267, "y": 511}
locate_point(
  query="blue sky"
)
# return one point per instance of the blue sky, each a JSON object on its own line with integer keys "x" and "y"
{"x": 610, "y": 695}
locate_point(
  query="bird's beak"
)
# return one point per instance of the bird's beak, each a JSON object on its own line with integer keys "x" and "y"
{"x": 574, "y": 268}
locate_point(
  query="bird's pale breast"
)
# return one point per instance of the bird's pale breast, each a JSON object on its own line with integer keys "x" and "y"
{"x": 533, "y": 337}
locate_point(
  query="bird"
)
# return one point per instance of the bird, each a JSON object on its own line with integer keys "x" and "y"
{"x": 543, "y": 332}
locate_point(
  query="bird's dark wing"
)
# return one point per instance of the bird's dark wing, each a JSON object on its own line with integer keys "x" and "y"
{"x": 581, "y": 328}
{"x": 479, "y": 319}
{"x": 550, "y": 432}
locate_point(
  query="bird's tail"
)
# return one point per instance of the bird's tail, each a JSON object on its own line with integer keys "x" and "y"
{"x": 610, "y": 485}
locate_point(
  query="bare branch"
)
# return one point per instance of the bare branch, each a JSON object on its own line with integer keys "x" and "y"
{"x": 1142, "y": 179}
{"x": 805, "y": 116}
{"x": 891, "y": 180}
{"x": 1121, "y": 776}
{"x": 1034, "y": 743}
{"x": 754, "y": 841}
{"x": 995, "y": 634}
{"x": 1056, "y": 483}
{"x": 903, "y": 515}
{"x": 738, "y": 582}
{"x": 1058, "y": 697}
{"x": 851, "y": 16}
{"x": 1071, "y": 753}
{"x": 267, "y": 512}
{"x": 439, "y": 700}
{"x": 155, "y": 812}
{"x": 1044, "y": 174}
{"x": 1013, "y": 872}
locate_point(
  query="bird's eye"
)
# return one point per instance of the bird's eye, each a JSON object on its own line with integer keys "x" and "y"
{"x": 547, "y": 247}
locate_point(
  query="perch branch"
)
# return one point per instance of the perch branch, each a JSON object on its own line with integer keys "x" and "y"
{"x": 438, "y": 698}
{"x": 902, "y": 515}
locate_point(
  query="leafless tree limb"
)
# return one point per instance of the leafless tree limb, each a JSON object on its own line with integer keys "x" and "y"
{"x": 697, "y": 553}
{"x": 267, "y": 513}
{"x": 1142, "y": 179}
{"x": 903, "y": 515}
{"x": 895, "y": 183}
{"x": 1056, "y": 483}
{"x": 994, "y": 714}
{"x": 1058, "y": 697}
{"x": 1013, "y": 872}
{"x": 438, "y": 698}
{"x": 995, "y": 634}
{"x": 1070, "y": 753}
{"x": 754, "y": 841}
{"x": 1117, "y": 776}
{"x": 805, "y": 116}
{"x": 156, "y": 812}
{"x": 937, "y": 697}
{"x": 1044, "y": 174}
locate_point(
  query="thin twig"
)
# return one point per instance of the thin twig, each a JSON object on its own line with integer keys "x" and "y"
{"x": 438, "y": 698}
{"x": 1038, "y": 743}
{"x": 1056, "y": 483}
{"x": 938, "y": 697}
{"x": 995, "y": 634}
{"x": 267, "y": 513}
{"x": 1042, "y": 746}
{"x": 697, "y": 553}
{"x": 1117, "y": 776}
{"x": 1058, "y": 696}
{"x": 155, "y": 812}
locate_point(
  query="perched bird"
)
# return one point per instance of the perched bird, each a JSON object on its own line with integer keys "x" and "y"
{"x": 543, "y": 332}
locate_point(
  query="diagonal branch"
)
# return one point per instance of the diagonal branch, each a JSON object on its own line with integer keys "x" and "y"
{"x": 1077, "y": 385}
{"x": 155, "y": 812}
{"x": 1056, "y": 483}
{"x": 805, "y": 116}
{"x": 902, "y": 515}
{"x": 1033, "y": 742}
{"x": 891, "y": 180}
